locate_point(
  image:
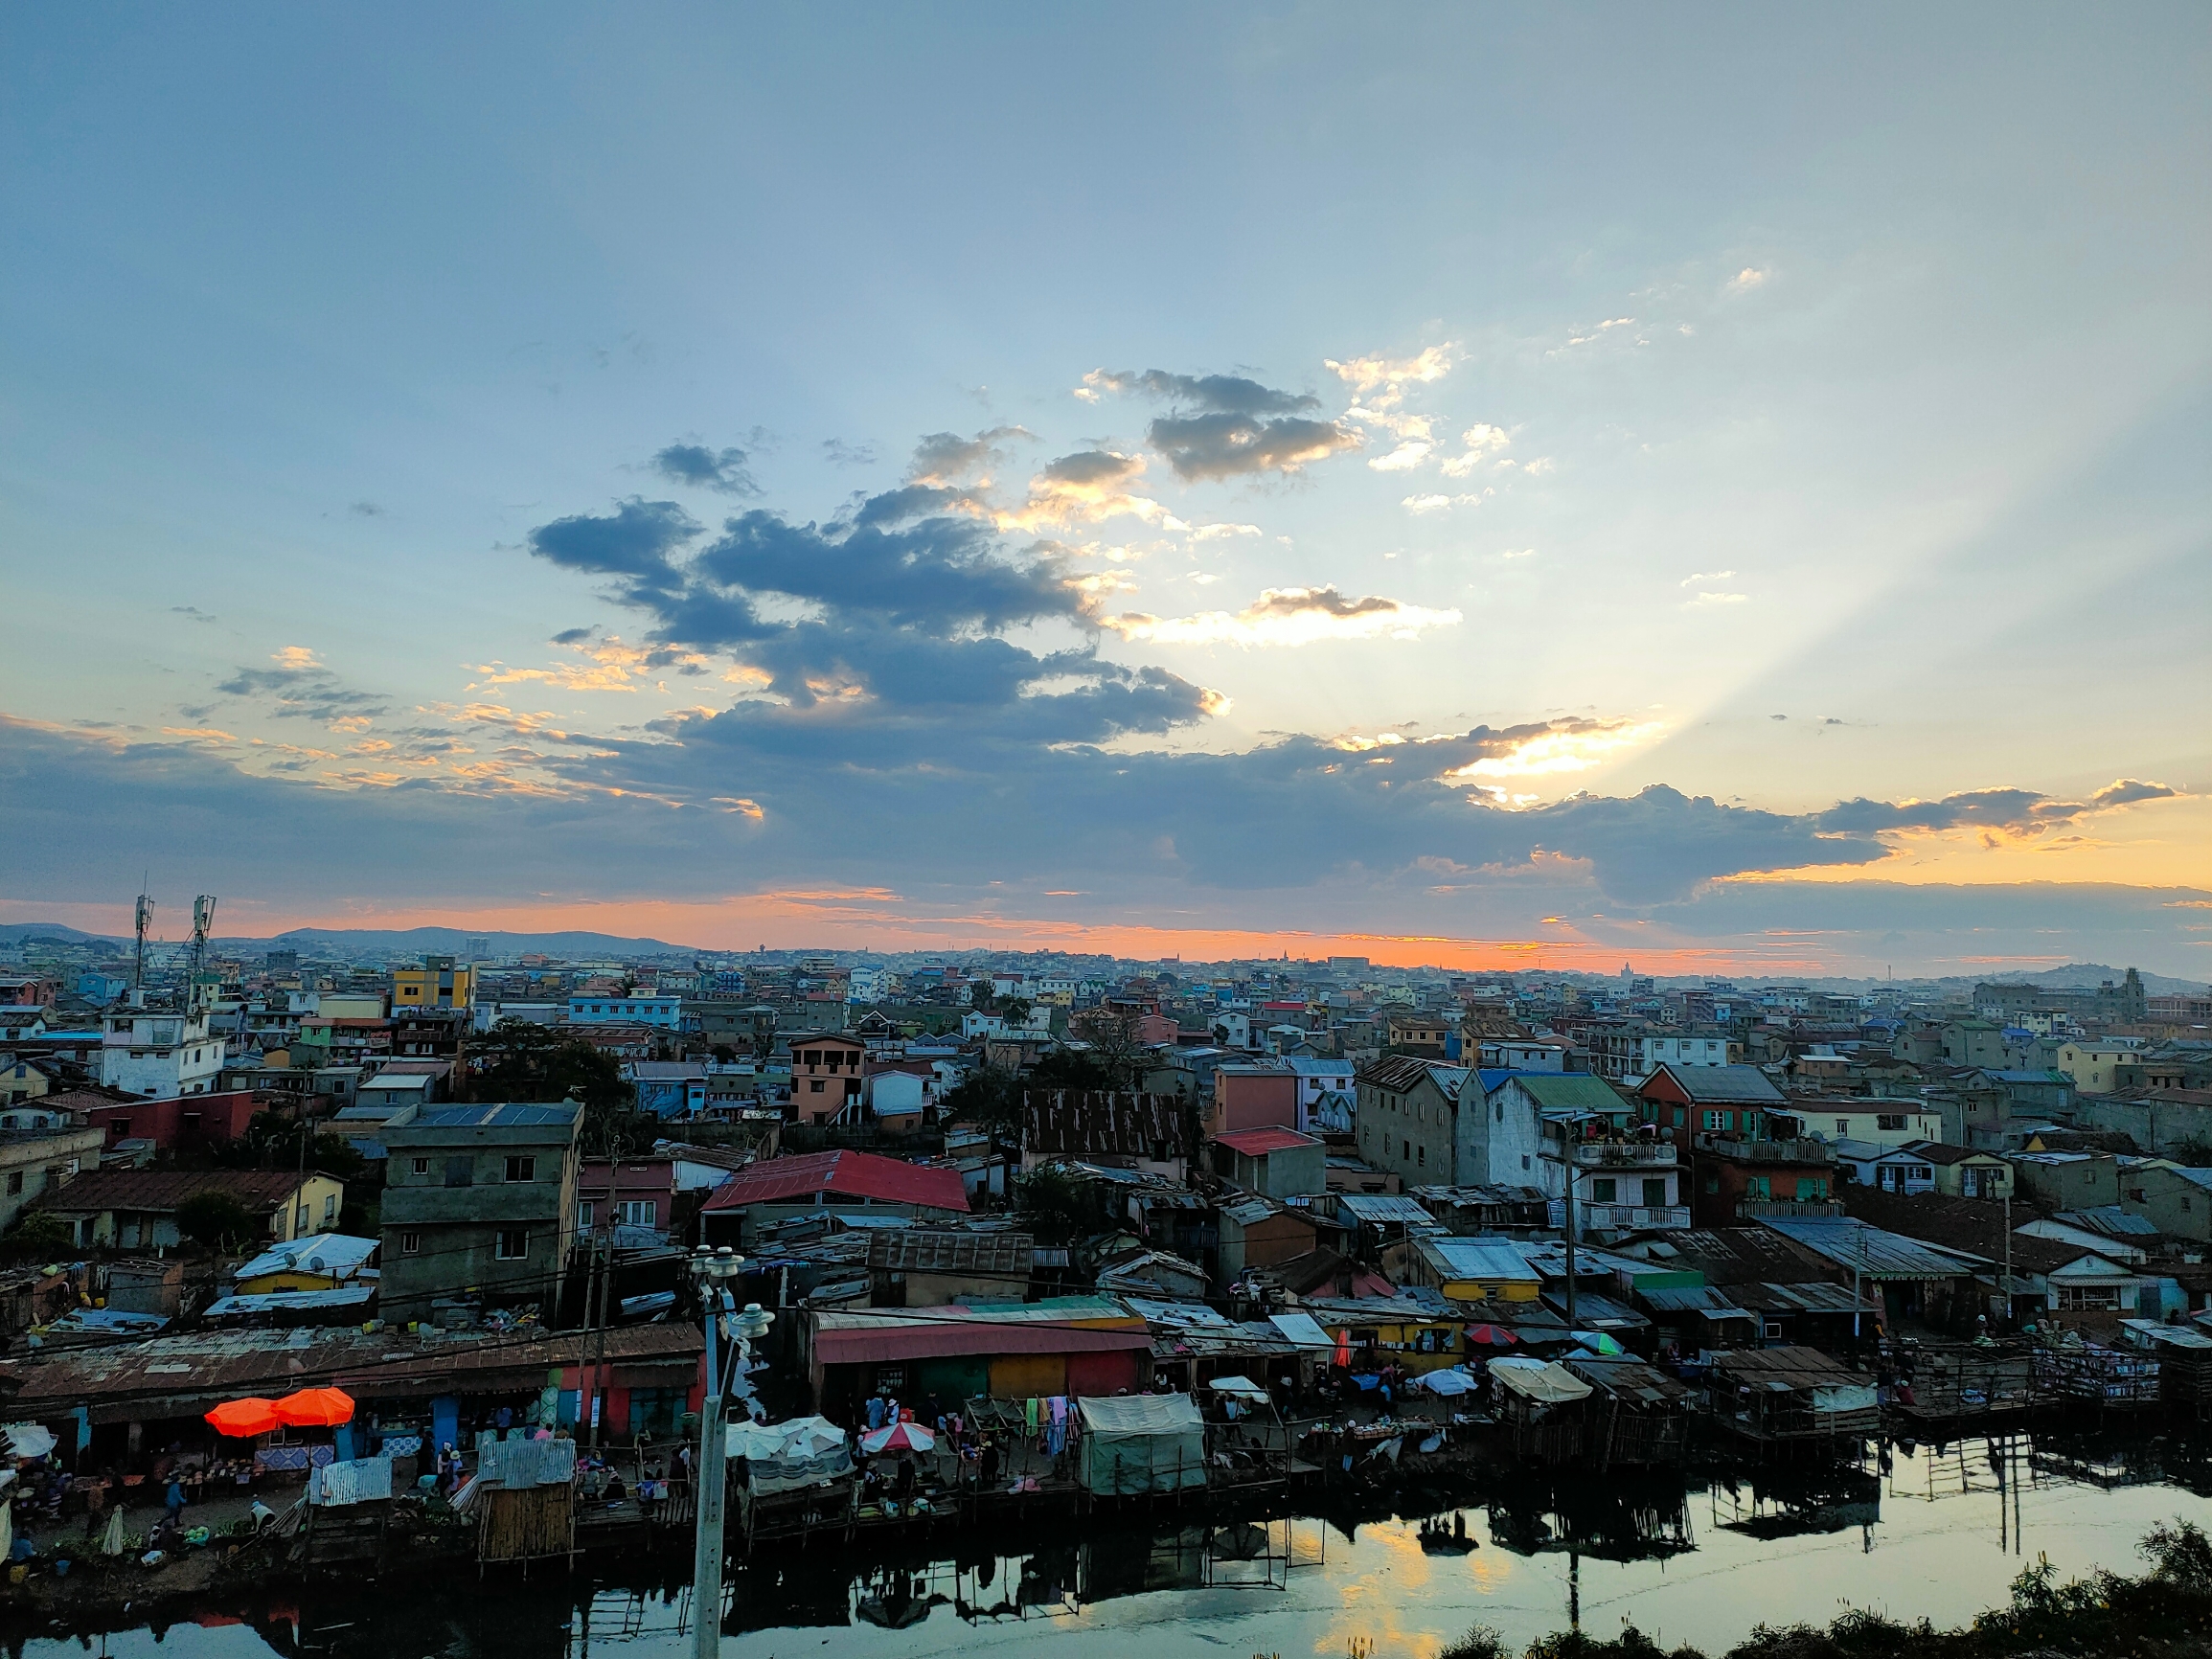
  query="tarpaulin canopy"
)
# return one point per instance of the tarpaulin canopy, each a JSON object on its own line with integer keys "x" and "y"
{"x": 315, "y": 1408}
{"x": 1141, "y": 1442}
{"x": 1446, "y": 1384}
{"x": 361, "y": 1481}
{"x": 243, "y": 1419}
{"x": 786, "y": 1457}
{"x": 1237, "y": 1387}
{"x": 1598, "y": 1342}
{"x": 1538, "y": 1380}
{"x": 28, "y": 1439}
{"x": 1491, "y": 1336}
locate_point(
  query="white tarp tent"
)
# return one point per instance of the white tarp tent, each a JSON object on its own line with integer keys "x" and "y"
{"x": 1141, "y": 1442}
{"x": 1448, "y": 1383}
{"x": 1539, "y": 1381}
{"x": 785, "y": 1457}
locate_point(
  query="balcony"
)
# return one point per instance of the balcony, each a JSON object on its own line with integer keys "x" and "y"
{"x": 1787, "y": 1209}
{"x": 1787, "y": 1152}
{"x": 1620, "y": 1218}
{"x": 1617, "y": 1154}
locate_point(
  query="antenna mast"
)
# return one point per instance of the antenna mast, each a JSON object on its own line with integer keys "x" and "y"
{"x": 145, "y": 921}
{"x": 202, "y": 923}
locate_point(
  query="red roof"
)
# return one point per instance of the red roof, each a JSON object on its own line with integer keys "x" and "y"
{"x": 934, "y": 1339}
{"x": 1259, "y": 1143}
{"x": 841, "y": 1174}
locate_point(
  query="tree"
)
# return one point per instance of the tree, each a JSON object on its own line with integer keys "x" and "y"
{"x": 1116, "y": 1039}
{"x": 989, "y": 1094}
{"x": 1050, "y": 1204}
{"x": 216, "y": 1219}
{"x": 519, "y": 1059}
{"x": 1014, "y": 1011}
{"x": 272, "y": 1142}
{"x": 1068, "y": 1068}
{"x": 37, "y": 1235}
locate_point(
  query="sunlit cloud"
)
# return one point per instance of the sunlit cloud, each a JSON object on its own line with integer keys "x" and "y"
{"x": 1440, "y": 503}
{"x": 1364, "y": 374}
{"x": 1745, "y": 280}
{"x": 1403, "y": 459}
{"x": 1573, "y": 747}
{"x": 1288, "y": 616}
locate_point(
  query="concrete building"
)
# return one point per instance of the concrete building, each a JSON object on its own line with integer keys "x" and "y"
{"x": 1879, "y": 1122}
{"x": 35, "y": 1162}
{"x": 159, "y": 1053}
{"x": 2094, "y": 1065}
{"x": 1254, "y": 1097}
{"x": 661, "y": 1013}
{"x": 136, "y": 1209}
{"x": 480, "y": 1202}
{"x": 1273, "y": 1163}
{"x": 826, "y": 1076}
{"x": 438, "y": 983}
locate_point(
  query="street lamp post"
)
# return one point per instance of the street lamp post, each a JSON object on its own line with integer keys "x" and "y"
{"x": 715, "y": 1270}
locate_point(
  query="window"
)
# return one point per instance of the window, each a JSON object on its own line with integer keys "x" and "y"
{"x": 815, "y": 1088}
{"x": 1423, "y": 1158}
{"x": 522, "y": 1168}
{"x": 1655, "y": 1192}
{"x": 583, "y": 1213}
{"x": 1406, "y": 1151}
{"x": 2078, "y": 1297}
{"x": 1758, "y": 1187}
{"x": 14, "y": 1182}
{"x": 1602, "y": 1190}
{"x": 511, "y": 1245}
{"x": 1525, "y": 1160}
{"x": 410, "y": 1244}
{"x": 299, "y": 1221}
{"x": 638, "y": 1212}
{"x": 1889, "y": 1120}
{"x": 422, "y": 1165}
{"x": 460, "y": 1171}
{"x": 1843, "y": 1126}
{"x": 1716, "y": 1120}
{"x": 329, "y": 1206}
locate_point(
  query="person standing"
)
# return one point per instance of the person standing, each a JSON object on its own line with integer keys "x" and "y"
{"x": 176, "y": 1502}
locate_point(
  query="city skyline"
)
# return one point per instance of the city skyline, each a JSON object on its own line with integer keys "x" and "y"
{"x": 1722, "y": 493}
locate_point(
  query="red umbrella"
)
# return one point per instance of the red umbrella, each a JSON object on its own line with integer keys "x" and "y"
{"x": 316, "y": 1408}
{"x": 1491, "y": 1336}
{"x": 243, "y": 1419}
{"x": 899, "y": 1437}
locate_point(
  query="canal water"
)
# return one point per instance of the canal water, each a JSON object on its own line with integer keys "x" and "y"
{"x": 1939, "y": 1534}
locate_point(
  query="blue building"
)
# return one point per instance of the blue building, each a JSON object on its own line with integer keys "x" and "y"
{"x": 663, "y": 1012}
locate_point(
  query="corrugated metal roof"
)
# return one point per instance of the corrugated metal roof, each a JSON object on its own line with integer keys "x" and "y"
{"x": 1874, "y": 1253}
{"x": 1571, "y": 1092}
{"x": 1706, "y": 1299}
{"x": 841, "y": 1174}
{"x": 1382, "y": 1209}
{"x": 1724, "y": 1084}
{"x": 1490, "y": 1258}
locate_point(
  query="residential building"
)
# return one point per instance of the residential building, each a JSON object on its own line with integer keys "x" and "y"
{"x": 634, "y": 1199}
{"x": 1880, "y": 1121}
{"x": 827, "y": 1073}
{"x": 841, "y": 1183}
{"x": 1274, "y": 1163}
{"x": 2093, "y": 1064}
{"x": 21, "y": 1080}
{"x": 1146, "y": 1132}
{"x": 1419, "y": 1034}
{"x": 1255, "y": 1096}
{"x": 1258, "y": 1232}
{"x": 1736, "y": 1178}
{"x": 1690, "y": 1100}
{"x": 2175, "y": 1198}
{"x": 1318, "y": 1076}
{"x": 1470, "y": 1269}
{"x": 479, "y": 1204}
{"x": 668, "y": 1088}
{"x": 661, "y": 1013}
{"x": 36, "y": 1163}
{"x": 2069, "y": 1181}
{"x": 438, "y": 983}
{"x": 136, "y": 1209}
{"x": 1407, "y": 1117}
{"x": 178, "y": 1123}
{"x": 393, "y": 1090}
{"x": 1963, "y": 1171}
{"x": 1628, "y": 1053}
{"x": 319, "y": 1262}
{"x": 1621, "y": 1180}
{"x": 159, "y": 1053}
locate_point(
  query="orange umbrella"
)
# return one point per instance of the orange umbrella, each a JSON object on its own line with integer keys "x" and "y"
{"x": 243, "y": 1419}
{"x": 316, "y": 1408}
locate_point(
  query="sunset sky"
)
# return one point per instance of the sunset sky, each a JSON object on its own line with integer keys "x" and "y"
{"x": 1720, "y": 489}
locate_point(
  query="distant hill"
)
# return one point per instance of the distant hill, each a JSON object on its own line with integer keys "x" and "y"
{"x": 450, "y": 941}
{"x": 14, "y": 932}
{"x": 2088, "y": 975}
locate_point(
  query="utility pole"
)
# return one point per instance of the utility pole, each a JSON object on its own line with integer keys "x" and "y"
{"x": 2008, "y": 1284}
{"x": 144, "y": 921}
{"x": 713, "y": 1270}
{"x": 1567, "y": 1148}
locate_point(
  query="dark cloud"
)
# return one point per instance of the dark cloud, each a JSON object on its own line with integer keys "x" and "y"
{"x": 1212, "y": 393}
{"x": 636, "y": 541}
{"x": 1092, "y": 469}
{"x": 2126, "y": 791}
{"x": 1239, "y": 445}
{"x": 947, "y": 458}
{"x": 916, "y": 501}
{"x": 191, "y": 613}
{"x": 366, "y": 510}
{"x": 303, "y": 691}
{"x": 844, "y": 454}
{"x": 703, "y": 469}
{"x": 573, "y": 636}
{"x": 1324, "y": 601}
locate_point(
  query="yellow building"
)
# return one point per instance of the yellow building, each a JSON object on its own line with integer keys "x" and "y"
{"x": 318, "y": 1262}
{"x": 21, "y": 1080}
{"x": 2093, "y": 1065}
{"x": 1392, "y": 1329}
{"x": 1472, "y": 1269}
{"x": 438, "y": 983}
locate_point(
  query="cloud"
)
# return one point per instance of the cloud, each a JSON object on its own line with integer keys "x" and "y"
{"x": 1214, "y": 393}
{"x": 2126, "y": 792}
{"x": 1745, "y": 280}
{"x": 1364, "y": 374}
{"x": 948, "y": 461}
{"x": 1540, "y": 465}
{"x": 635, "y": 541}
{"x": 1086, "y": 486}
{"x": 840, "y": 453}
{"x": 301, "y": 687}
{"x": 722, "y": 471}
{"x": 1706, "y": 576}
{"x": 365, "y": 510}
{"x": 1287, "y": 616}
{"x": 191, "y": 613}
{"x": 1404, "y": 458}
{"x": 1218, "y": 446}
{"x": 1438, "y": 503}
{"x": 1708, "y": 601}
{"x": 1483, "y": 443}
{"x": 1216, "y": 531}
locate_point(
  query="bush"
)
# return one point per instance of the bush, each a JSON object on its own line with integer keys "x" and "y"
{"x": 216, "y": 1219}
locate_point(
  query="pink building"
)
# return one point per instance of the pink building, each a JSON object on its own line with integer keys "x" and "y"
{"x": 185, "y": 1121}
{"x": 1253, "y": 1097}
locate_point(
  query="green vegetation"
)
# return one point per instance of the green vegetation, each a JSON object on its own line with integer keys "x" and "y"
{"x": 215, "y": 1219}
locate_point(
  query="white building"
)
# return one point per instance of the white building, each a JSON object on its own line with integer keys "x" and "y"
{"x": 160, "y": 1054}
{"x": 1318, "y": 1076}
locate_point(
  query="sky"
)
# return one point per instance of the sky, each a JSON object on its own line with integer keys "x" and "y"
{"x": 1725, "y": 490}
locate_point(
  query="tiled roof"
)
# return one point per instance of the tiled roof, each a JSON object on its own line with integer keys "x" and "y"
{"x": 1724, "y": 1084}
{"x": 929, "y": 1250}
{"x": 841, "y": 1174}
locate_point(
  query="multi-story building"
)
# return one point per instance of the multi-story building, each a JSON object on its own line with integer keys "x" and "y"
{"x": 827, "y": 1069}
{"x": 664, "y": 1013}
{"x": 159, "y": 1053}
{"x": 480, "y": 1203}
{"x": 438, "y": 983}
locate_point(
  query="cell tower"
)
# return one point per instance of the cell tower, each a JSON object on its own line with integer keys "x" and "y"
{"x": 144, "y": 921}
{"x": 202, "y": 923}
